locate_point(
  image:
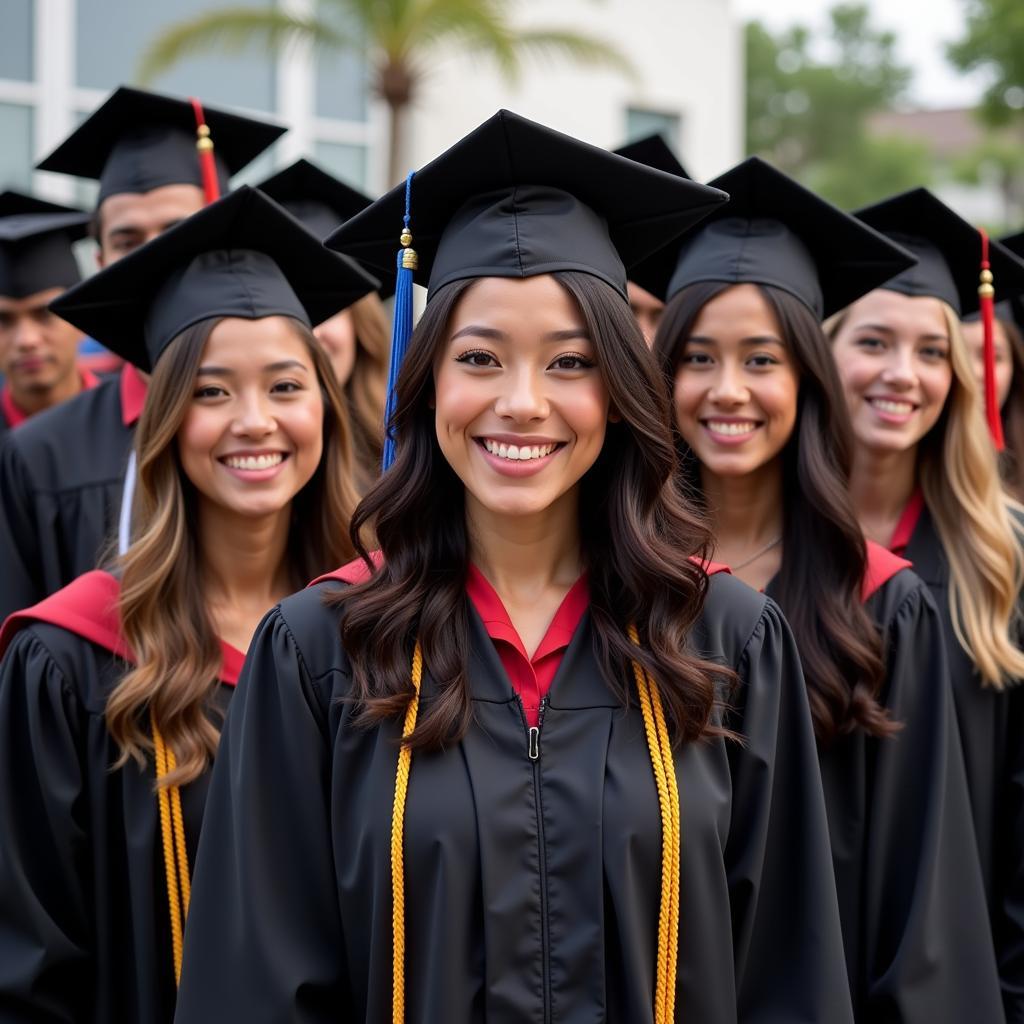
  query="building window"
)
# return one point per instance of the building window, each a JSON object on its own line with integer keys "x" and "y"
{"x": 640, "y": 123}
{"x": 346, "y": 161}
{"x": 16, "y": 40}
{"x": 16, "y": 151}
{"x": 341, "y": 75}
{"x": 112, "y": 34}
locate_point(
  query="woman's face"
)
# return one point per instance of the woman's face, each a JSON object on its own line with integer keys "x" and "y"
{"x": 893, "y": 355}
{"x": 974, "y": 336}
{"x": 521, "y": 408}
{"x": 338, "y": 337}
{"x": 736, "y": 384}
{"x": 253, "y": 435}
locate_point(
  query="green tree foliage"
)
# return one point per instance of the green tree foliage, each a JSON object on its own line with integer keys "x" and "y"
{"x": 994, "y": 42}
{"x": 400, "y": 36}
{"x": 809, "y": 100}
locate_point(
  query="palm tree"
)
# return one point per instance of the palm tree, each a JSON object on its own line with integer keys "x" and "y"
{"x": 400, "y": 35}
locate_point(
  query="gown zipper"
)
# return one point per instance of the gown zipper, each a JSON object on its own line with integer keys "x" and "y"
{"x": 533, "y": 754}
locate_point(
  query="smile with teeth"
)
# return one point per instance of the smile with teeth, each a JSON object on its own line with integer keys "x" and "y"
{"x": 896, "y": 408}
{"x": 517, "y": 453}
{"x": 254, "y": 461}
{"x": 728, "y": 429}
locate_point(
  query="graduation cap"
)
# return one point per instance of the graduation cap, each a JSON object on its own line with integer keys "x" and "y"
{"x": 242, "y": 256}
{"x": 653, "y": 151}
{"x": 1012, "y": 309}
{"x": 953, "y": 257}
{"x": 13, "y": 202}
{"x": 137, "y": 141}
{"x": 948, "y": 250}
{"x": 321, "y": 201}
{"x": 776, "y": 232}
{"x": 36, "y": 253}
{"x": 516, "y": 199}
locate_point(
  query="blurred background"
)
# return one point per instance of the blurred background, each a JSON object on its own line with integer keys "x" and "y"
{"x": 858, "y": 100}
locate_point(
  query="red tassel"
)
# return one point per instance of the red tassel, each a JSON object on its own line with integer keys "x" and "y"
{"x": 204, "y": 146}
{"x": 986, "y": 293}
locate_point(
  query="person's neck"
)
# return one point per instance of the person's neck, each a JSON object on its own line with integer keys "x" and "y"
{"x": 245, "y": 568}
{"x": 747, "y": 516}
{"x": 33, "y": 400}
{"x": 881, "y": 484}
{"x": 524, "y": 556}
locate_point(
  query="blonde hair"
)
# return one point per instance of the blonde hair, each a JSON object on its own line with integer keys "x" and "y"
{"x": 164, "y": 619}
{"x": 957, "y": 468}
{"x": 366, "y": 388}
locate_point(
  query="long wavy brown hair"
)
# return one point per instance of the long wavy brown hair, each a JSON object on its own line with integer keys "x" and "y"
{"x": 637, "y": 538}
{"x": 164, "y": 619}
{"x": 819, "y": 584}
{"x": 366, "y": 389}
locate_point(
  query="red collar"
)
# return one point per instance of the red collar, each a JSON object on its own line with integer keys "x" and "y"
{"x": 908, "y": 522}
{"x": 16, "y": 416}
{"x": 133, "y": 394}
{"x": 87, "y": 607}
{"x": 499, "y": 626}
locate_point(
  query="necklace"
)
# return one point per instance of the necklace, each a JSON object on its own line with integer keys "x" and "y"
{"x": 757, "y": 554}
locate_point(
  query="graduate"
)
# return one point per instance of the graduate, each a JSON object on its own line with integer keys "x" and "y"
{"x": 572, "y": 828}
{"x": 357, "y": 339}
{"x": 653, "y": 151}
{"x": 63, "y": 476}
{"x": 925, "y": 483}
{"x": 766, "y": 444}
{"x": 37, "y": 349}
{"x": 1008, "y": 342}
{"x": 112, "y": 690}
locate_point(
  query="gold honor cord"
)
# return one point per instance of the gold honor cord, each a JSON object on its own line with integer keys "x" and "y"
{"x": 663, "y": 766}
{"x": 172, "y": 833}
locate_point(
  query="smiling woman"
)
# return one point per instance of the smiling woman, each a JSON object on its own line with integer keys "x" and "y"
{"x": 469, "y": 777}
{"x": 113, "y": 690}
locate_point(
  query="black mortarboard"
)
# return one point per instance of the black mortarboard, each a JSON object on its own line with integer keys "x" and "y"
{"x": 12, "y": 202}
{"x": 36, "y": 254}
{"x": 137, "y": 141}
{"x": 242, "y": 256}
{"x": 776, "y": 232}
{"x": 653, "y": 151}
{"x": 321, "y": 201}
{"x": 1012, "y": 308}
{"x": 948, "y": 249}
{"x": 515, "y": 199}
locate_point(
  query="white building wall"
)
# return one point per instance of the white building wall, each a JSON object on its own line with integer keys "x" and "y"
{"x": 689, "y": 59}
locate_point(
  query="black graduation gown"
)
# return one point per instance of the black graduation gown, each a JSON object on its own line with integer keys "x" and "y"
{"x": 84, "y": 921}
{"x": 910, "y": 893}
{"x": 991, "y": 727}
{"x": 531, "y": 886}
{"x": 61, "y": 479}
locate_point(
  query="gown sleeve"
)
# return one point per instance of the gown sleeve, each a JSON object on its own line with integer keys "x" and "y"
{"x": 20, "y": 565}
{"x": 928, "y": 953}
{"x": 45, "y": 965}
{"x": 1009, "y": 922}
{"x": 786, "y": 933}
{"x": 264, "y": 941}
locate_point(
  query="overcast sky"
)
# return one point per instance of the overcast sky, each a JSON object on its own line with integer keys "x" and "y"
{"x": 922, "y": 26}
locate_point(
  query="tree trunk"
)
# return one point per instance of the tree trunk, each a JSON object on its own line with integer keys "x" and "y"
{"x": 397, "y": 169}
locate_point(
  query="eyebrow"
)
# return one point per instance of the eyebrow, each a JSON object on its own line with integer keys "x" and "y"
{"x": 224, "y": 371}
{"x": 492, "y": 333}
{"x": 757, "y": 339}
{"x": 882, "y": 329}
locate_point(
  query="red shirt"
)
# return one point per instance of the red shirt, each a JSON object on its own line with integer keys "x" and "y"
{"x": 133, "y": 394}
{"x": 16, "y": 416}
{"x": 531, "y": 678}
{"x": 908, "y": 523}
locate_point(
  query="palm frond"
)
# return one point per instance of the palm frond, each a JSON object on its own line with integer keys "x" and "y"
{"x": 580, "y": 48}
{"x": 480, "y": 25}
{"x": 231, "y": 30}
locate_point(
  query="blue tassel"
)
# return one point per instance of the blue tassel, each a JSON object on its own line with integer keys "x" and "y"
{"x": 401, "y": 329}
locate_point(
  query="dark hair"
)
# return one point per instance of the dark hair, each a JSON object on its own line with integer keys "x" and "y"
{"x": 819, "y": 584}
{"x": 637, "y": 538}
{"x": 1011, "y": 460}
